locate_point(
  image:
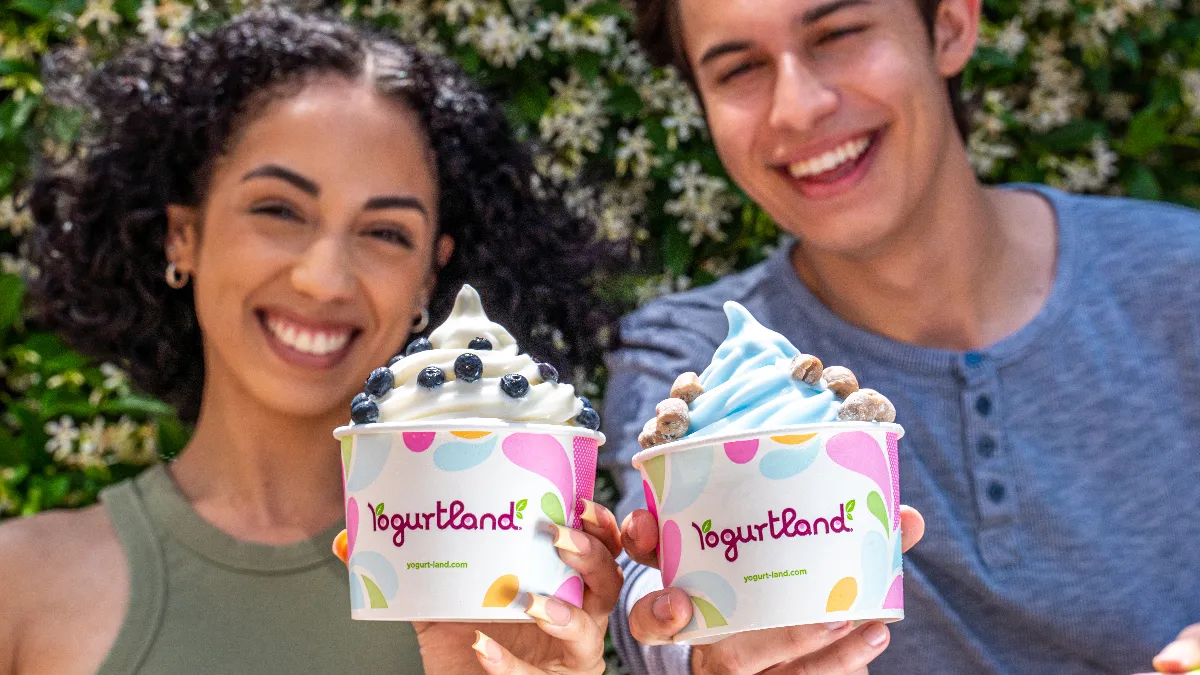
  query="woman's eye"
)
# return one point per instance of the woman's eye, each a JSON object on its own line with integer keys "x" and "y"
{"x": 281, "y": 211}
{"x": 391, "y": 236}
{"x": 840, "y": 33}
{"x": 737, "y": 71}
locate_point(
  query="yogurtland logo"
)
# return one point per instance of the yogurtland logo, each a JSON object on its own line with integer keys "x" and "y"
{"x": 455, "y": 516}
{"x": 786, "y": 524}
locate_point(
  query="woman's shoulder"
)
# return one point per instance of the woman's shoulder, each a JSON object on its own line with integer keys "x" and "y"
{"x": 66, "y": 592}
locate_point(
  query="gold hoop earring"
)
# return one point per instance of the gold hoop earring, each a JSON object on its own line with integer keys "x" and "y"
{"x": 175, "y": 278}
{"x": 422, "y": 321}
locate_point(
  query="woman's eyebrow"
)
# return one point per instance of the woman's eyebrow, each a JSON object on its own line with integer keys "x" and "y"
{"x": 396, "y": 202}
{"x": 287, "y": 175}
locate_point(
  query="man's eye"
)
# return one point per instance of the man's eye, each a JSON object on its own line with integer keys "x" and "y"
{"x": 834, "y": 35}
{"x": 737, "y": 71}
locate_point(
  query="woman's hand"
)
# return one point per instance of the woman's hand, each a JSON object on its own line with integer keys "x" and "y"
{"x": 824, "y": 649}
{"x": 565, "y": 640}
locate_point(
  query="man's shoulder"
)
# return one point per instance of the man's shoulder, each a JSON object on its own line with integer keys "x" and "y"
{"x": 700, "y": 310}
{"x": 1133, "y": 230}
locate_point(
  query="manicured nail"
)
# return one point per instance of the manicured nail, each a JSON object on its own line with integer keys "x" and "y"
{"x": 341, "y": 547}
{"x": 1180, "y": 655}
{"x": 590, "y": 513}
{"x": 569, "y": 540}
{"x": 486, "y": 647}
{"x": 836, "y": 625}
{"x": 548, "y": 610}
{"x": 662, "y": 608}
{"x": 876, "y": 634}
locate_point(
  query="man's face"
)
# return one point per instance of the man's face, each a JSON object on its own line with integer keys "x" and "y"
{"x": 831, "y": 114}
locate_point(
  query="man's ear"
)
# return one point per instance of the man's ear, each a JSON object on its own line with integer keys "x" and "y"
{"x": 955, "y": 33}
{"x": 183, "y": 233}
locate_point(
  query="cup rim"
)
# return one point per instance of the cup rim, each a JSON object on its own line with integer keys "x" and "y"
{"x": 686, "y": 443}
{"x": 466, "y": 424}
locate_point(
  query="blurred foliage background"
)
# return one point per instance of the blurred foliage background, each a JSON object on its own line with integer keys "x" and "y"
{"x": 1097, "y": 96}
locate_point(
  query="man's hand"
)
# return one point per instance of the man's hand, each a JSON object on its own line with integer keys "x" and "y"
{"x": 1182, "y": 655}
{"x": 813, "y": 650}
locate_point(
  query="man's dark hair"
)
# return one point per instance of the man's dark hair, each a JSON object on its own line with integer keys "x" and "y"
{"x": 660, "y": 34}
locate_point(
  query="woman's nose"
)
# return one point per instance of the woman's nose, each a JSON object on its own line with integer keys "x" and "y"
{"x": 324, "y": 272}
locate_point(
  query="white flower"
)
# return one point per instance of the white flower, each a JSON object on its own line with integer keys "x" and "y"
{"x": 1012, "y": 38}
{"x": 1057, "y": 96}
{"x": 101, "y": 13}
{"x": 635, "y": 151}
{"x": 114, "y": 378}
{"x": 1118, "y": 106}
{"x": 458, "y": 10}
{"x": 17, "y": 221}
{"x": 671, "y": 95}
{"x": 703, "y": 205}
{"x": 147, "y": 16}
{"x": 500, "y": 40}
{"x": 91, "y": 441}
{"x": 1085, "y": 174}
{"x": 655, "y": 287}
{"x": 1190, "y": 80}
{"x": 63, "y": 435}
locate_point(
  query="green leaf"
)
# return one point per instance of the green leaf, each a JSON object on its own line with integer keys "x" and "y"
{"x": 520, "y": 516}
{"x": 677, "y": 250}
{"x": 850, "y": 506}
{"x": 552, "y": 507}
{"x": 522, "y": 504}
{"x": 376, "y": 595}
{"x": 877, "y": 509}
{"x": 12, "y": 292}
{"x": 1075, "y": 135}
{"x": 707, "y": 526}
{"x": 379, "y": 509}
{"x": 1147, "y": 133}
{"x": 849, "y": 516}
{"x": 1142, "y": 184}
{"x": 136, "y": 405}
{"x": 38, "y": 9}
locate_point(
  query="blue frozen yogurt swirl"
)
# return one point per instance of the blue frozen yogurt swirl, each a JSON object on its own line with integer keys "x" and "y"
{"x": 749, "y": 384}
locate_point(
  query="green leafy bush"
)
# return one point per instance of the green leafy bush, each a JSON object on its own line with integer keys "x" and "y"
{"x": 1090, "y": 95}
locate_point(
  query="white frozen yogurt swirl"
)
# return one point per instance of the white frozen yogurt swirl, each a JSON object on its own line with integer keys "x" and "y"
{"x": 545, "y": 402}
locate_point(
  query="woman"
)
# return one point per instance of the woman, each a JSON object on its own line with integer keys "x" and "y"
{"x": 253, "y": 222}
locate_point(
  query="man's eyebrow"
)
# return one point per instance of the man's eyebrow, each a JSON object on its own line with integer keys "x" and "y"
{"x": 717, "y": 51}
{"x": 821, "y": 11}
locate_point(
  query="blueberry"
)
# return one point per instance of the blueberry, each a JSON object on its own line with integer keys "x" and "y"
{"x": 358, "y": 398}
{"x": 515, "y": 385}
{"x": 480, "y": 344}
{"x": 586, "y": 403}
{"x": 418, "y": 345}
{"x": 365, "y": 412}
{"x": 589, "y": 418}
{"x": 548, "y": 373}
{"x": 395, "y": 359}
{"x": 379, "y": 383}
{"x": 468, "y": 367}
{"x": 431, "y": 377}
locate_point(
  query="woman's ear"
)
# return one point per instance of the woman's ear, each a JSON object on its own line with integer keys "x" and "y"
{"x": 182, "y": 236}
{"x": 955, "y": 33}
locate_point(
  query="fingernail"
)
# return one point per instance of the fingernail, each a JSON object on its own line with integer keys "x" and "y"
{"x": 836, "y": 625}
{"x": 548, "y": 609}
{"x": 1182, "y": 654}
{"x": 876, "y": 634}
{"x": 569, "y": 540}
{"x": 486, "y": 647}
{"x": 662, "y": 608}
{"x": 590, "y": 513}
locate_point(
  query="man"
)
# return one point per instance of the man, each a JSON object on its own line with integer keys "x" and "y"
{"x": 1042, "y": 351}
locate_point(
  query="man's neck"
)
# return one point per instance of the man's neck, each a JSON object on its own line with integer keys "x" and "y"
{"x": 971, "y": 266}
{"x": 258, "y": 475}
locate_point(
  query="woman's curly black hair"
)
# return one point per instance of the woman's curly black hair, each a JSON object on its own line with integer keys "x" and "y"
{"x": 160, "y": 115}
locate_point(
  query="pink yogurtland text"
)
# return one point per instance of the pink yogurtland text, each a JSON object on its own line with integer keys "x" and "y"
{"x": 777, "y": 527}
{"x": 453, "y": 517}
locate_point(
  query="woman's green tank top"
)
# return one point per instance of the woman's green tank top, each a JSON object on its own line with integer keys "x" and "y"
{"x": 204, "y": 602}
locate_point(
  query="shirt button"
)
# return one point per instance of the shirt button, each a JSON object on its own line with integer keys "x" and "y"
{"x": 986, "y": 447}
{"x": 983, "y": 405}
{"x": 995, "y": 492}
{"x": 973, "y": 358}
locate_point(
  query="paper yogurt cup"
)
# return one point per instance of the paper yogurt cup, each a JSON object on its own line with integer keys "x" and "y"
{"x": 795, "y": 525}
{"x": 451, "y": 521}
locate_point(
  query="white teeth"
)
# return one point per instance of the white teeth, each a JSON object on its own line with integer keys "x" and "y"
{"x": 318, "y": 343}
{"x": 831, "y": 160}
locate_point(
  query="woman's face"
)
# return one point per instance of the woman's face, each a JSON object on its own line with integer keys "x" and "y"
{"x": 315, "y": 249}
